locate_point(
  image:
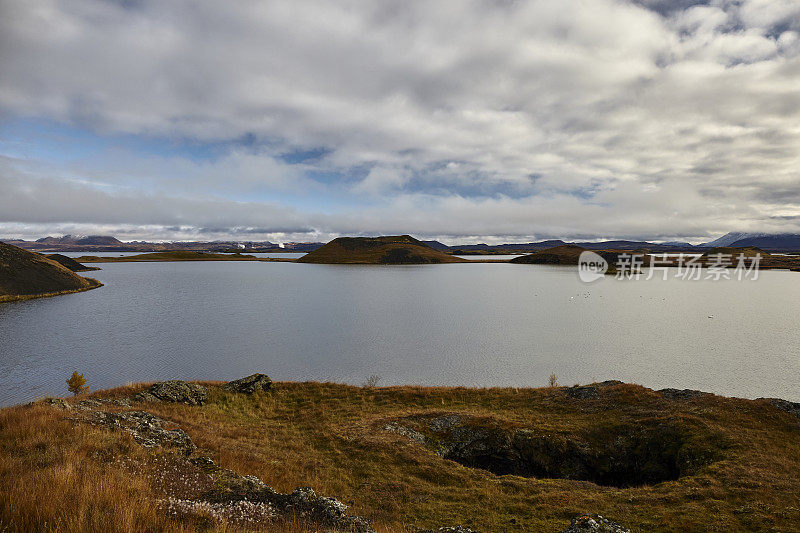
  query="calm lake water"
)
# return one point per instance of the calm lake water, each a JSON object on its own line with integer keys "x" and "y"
{"x": 457, "y": 324}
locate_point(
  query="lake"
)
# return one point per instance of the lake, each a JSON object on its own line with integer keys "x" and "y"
{"x": 457, "y": 324}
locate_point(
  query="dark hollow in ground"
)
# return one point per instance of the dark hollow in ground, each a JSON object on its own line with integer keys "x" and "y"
{"x": 623, "y": 456}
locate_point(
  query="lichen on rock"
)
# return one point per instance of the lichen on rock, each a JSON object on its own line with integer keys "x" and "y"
{"x": 793, "y": 408}
{"x": 147, "y": 429}
{"x": 174, "y": 391}
{"x": 250, "y": 384}
{"x": 594, "y": 524}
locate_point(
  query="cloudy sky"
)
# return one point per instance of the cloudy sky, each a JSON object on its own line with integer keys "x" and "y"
{"x": 460, "y": 120}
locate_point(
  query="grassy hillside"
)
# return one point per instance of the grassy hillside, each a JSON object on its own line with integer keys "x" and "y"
{"x": 491, "y": 459}
{"x": 25, "y": 274}
{"x": 388, "y": 250}
{"x": 69, "y": 263}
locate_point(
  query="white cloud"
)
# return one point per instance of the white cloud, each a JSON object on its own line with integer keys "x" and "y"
{"x": 532, "y": 118}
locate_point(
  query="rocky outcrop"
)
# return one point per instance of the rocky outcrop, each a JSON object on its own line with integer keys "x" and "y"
{"x": 594, "y": 524}
{"x": 147, "y": 430}
{"x": 174, "y": 391}
{"x": 445, "y": 422}
{"x": 58, "y": 402}
{"x": 233, "y": 497}
{"x": 249, "y": 384}
{"x": 303, "y": 504}
{"x": 793, "y": 408}
{"x": 416, "y": 436}
{"x": 587, "y": 392}
{"x": 682, "y": 394}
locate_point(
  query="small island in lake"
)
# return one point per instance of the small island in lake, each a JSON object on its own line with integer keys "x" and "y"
{"x": 386, "y": 250}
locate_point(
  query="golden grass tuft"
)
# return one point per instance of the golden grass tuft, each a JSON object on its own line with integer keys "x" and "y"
{"x": 56, "y": 476}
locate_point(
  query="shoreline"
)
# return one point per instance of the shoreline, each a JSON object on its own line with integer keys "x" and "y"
{"x": 95, "y": 284}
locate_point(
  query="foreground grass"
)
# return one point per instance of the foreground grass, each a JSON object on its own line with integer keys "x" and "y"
{"x": 55, "y": 475}
{"x": 58, "y": 477}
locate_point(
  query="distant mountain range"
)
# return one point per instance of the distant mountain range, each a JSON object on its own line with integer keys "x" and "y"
{"x": 529, "y": 247}
{"x": 780, "y": 242}
{"x": 107, "y": 243}
{"x": 785, "y": 242}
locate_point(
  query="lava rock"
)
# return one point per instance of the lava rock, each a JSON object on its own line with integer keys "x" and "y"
{"x": 594, "y": 523}
{"x": 682, "y": 394}
{"x": 249, "y": 384}
{"x": 174, "y": 391}
{"x": 584, "y": 392}
{"x": 793, "y": 408}
{"x": 414, "y": 435}
{"x": 147, "y": 430}
{"x": 303, "y": 503}
{"x": 58, "y": 402}
{"x": 443, "y": 423}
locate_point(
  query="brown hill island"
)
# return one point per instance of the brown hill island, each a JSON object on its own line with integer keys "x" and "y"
{"x": 25, "y": 275}
{"x": 567, "y": 254}
{"x": 386, "y": 250}
{"x": 70, "y": 263}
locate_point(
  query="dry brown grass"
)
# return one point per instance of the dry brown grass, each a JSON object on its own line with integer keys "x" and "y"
{"x": 329, "y": 436}
{"x": 55, "y": 476}
{"x": 59, "y": 476}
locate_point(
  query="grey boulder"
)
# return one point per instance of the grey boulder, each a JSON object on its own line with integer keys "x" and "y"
{"x": 174, "y": 391}
{"x": 249, "y": 384}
